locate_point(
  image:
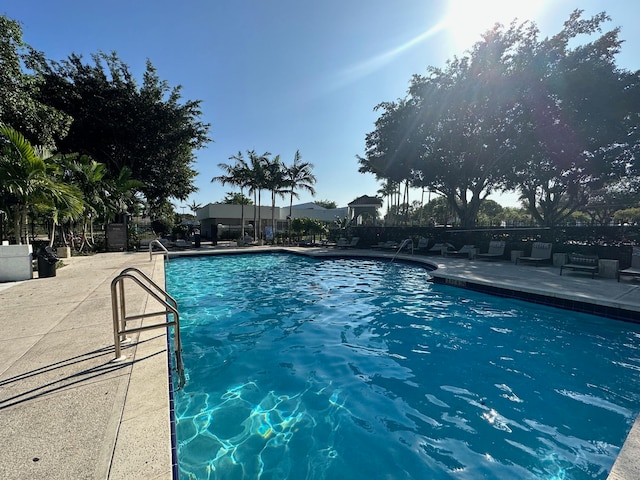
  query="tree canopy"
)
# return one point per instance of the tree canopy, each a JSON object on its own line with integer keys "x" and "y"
{"x": 579, "y": 115}
{"x": 20, "y": 107}
{"x": 328, "y": 204}
{"x": 551, "y": 118}
{"x": 81, "y": 141}
{"x": 145, "y": 128}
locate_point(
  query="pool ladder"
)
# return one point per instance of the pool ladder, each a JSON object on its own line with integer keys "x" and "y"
{"x": 159, "y": 244}
{"x": 403, "y": 244}
{"x": 118, "y": 306}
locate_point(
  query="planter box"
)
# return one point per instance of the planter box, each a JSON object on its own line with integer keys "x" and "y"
{"x": 16, "y": 263}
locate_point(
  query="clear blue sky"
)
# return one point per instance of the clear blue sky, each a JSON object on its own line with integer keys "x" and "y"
{"x": 283, "y": 75}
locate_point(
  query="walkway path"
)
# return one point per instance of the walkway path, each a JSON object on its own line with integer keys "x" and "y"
{"x": 62, "y": 399}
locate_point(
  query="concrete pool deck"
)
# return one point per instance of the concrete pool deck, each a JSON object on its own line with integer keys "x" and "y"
{"x": 68, "y": 411}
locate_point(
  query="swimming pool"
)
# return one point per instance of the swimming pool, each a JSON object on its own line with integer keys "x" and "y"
{"x": 352, "y": 369}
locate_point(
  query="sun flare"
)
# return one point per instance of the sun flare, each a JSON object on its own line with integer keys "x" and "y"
{"x": 466, "y": 20}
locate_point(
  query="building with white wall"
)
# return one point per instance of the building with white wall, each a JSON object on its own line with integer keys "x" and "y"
{"x": 217, "y": 218}
{"x": 221, "y": 220}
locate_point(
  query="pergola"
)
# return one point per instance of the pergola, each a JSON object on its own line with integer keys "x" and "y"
{"x": 364, "y": 205}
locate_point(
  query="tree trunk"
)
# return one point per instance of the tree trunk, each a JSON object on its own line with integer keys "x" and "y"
{"x": 83, "y": 238}
{"x": 241, "y": 215}
{"x": 19, "y": 219}
{"x": 92, "y": 243}
{"x": 52, "y": 234}
{"x": 259, "y": 226}
{"x": 273, "y": 215}
{"x": 289, "y": 219}
{"x": 255, "y": 216}
{"x": 16, "y": 225}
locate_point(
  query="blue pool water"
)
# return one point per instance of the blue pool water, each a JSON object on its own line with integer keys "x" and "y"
{"x": 359, "y": 369}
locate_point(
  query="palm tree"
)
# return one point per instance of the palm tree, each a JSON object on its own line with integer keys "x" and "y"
{"x": 121, "y": 193}
{"x": 237, "y": 175}
{"x": 194, "y": 207}
{"x": 299, "y": 176}
{"x": 389, "y": 189}
{"x": 89, "y": 177}
{"x": 276, "y": 182}
{"x": 256, "y": 184}
{"x": 29, "y": 179}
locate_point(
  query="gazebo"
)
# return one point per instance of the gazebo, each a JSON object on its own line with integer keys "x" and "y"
{"x": 363, "y": 207}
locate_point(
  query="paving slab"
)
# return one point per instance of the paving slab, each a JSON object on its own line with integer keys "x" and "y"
{"x": 62, "y": 397}
{"x": 54, "y": 436}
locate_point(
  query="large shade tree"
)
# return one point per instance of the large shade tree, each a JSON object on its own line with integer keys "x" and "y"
{"x": 452, "y": 133}
{"x": 580, "y": 115}
{"x": 605, "y": 202}
{"x": 515, "y": 112}
{"x": 392, "y": 151}
{"x": 146, "y": 128}
{"x": 236, "y": 198}
{"x": 20, "y": 106}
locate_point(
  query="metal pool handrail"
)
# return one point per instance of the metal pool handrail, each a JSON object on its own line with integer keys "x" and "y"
{"x": 402, "y": 245}
{"x": 118, "y": 307}
{"x": 158, "y": 243}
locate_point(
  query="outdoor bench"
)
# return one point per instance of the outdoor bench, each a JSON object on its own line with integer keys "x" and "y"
{"x": 581, "y": 263}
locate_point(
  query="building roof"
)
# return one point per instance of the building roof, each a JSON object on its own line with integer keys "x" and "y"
{"x": 308, "y": 206}
{"x": 366, "y": 201}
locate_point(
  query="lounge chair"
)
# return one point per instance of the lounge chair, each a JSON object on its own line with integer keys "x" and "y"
{"x": 423, "y": 243}
{"x": 495, "y": 252}
{"x": 634, "y": 269}
{"x": 540, "y": 253}
{"x": 465, "y": 251}
{"x": 247, "y": 241}
{"x": 439, "y": 248}
{"x": 581, "y": 263}
{"x": 388, "y": 245}
{"x": 343, "y": 243}
{"x": 181, "y": 243}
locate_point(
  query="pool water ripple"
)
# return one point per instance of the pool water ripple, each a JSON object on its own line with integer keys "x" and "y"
{"x": 359, "y": 369}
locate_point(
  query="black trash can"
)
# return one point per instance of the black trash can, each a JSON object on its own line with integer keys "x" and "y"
{"x": 47, "y": 260}
{"x": 196, "y": 240}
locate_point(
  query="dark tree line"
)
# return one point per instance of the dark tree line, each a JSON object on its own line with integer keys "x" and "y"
{"x": 554, "y": 119}
{"x": 98, "y": 109}
{"x": 144, "y": 128}
{"x": 20, "y": 107}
